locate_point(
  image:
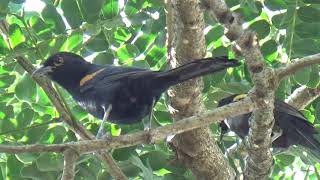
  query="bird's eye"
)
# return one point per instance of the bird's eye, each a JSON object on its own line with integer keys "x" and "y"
{"x": 58, "y": 62}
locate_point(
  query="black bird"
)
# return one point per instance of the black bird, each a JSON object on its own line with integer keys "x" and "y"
{"x": 291, "y": 127}
{"x": 131, "y": 92}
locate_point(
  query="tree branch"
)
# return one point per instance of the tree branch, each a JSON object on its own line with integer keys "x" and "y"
{"x": 194, "y": 149}
{"x": 151, "y": 136}
{"x": 259, "y": 161}
{"x": 303, "y": 96}
{"x": 70, "y": 159}
{"x": 298, "y": 65}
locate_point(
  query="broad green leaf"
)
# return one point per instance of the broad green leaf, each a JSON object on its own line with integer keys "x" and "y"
{"x": 154, "y": 55}
{"x": 214, "y": 34}
{"x": 73, "y": 41}
{"x": 32, "y": 171}
{"x": 123, "y": 154}
{"x": 3, "y": 7}
{"x": 285, "y": 160}
{"x": 156, "y": 159}
{"x": 122, "y": 35}
{"x": 25, "y": 117}
{"x": 26, "y": 89}
{"x": 72, "y": 13}
{"x": 110, "y": 9}
{"x": 34, "y": 134}
{"x": 6, "y": 80}
{"x": 308, "y": 30}
{"x": 163, "y": 117}
{"x": 147, "y": 172}
{"x": 268, "y": 49}
{"x": 40, "y": 27}
{"x": 127, "y": 52}
{"x": 13, "y": 166}
{"x": 247, "y": 12}
{"x": 282, "y": 20}
{"x": 104, "y": 58}
{"x": 27, "y": 158}
{"x": 16, "y": 35}
{"x": 314, "y": 77}
{"x": 309, "y": 14}
{"x": 98, "y": 43}
{"x": 3, "y": 46}
{"x": 302, "y": 76}
{"x": 276, "y": 4}
{"x": 311, "y": 1}
{"x": 305, "y": 47}
{"x": 53, "y": 135}
{"x": 144, "y": 42}
{"x": 50, "y": 162}
{"x": 79, "y": 113}
{"x": 91, "y": 9}
{"x": 261, "y": 27}
{"x": 53, "y": 18}
{"x": 317, "y": 110}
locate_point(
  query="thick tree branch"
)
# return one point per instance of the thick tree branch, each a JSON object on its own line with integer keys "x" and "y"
{"x": 70, "y": 159}
{"x": 195, "y": 149}
{"x": 259, "y": 161}
{"x": 302, "y": 97}
{"x": 298, "y": 65}
{"x": 144, "y": 137}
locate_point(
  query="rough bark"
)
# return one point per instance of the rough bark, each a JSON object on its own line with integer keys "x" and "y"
{"x": 196, "y": 149}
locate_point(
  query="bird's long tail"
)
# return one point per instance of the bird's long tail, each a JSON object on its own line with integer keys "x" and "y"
{"x": 194, "y": 69}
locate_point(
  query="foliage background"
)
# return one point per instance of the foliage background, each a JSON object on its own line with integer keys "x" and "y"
{"x": 133, "y": 33}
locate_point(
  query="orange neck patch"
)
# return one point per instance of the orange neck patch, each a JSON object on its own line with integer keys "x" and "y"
{"x": 89, "y": 77}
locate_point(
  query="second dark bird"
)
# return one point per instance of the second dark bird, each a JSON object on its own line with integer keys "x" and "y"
{"x": 131, "y": 92}
{"x": 290, "y": 128}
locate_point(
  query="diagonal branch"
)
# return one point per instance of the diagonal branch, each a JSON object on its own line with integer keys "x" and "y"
{"x": 151, "y": 136}
{"x": 303, "y": 96}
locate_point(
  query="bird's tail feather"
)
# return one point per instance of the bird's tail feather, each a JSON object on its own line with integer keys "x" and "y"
{"x": 195, "y": 69}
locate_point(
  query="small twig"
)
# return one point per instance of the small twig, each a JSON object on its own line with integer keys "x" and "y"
{"x": 70, "y": 159}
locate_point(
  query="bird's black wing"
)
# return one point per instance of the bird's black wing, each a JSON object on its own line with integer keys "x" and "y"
{"x": 286, "y": 108}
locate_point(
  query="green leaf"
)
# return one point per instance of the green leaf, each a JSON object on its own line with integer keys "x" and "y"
{"x": 73, "y": 41}
{"x": 123, "y": 154}
{"x": 305, "y": 47}
{"x": 314, "y": 77}
{"x": 147, "y": 172}
{"x": 32, "y": 171}
{"x": 4, "y": 7}
{"x": 261, "y": 27}
{"x": 24, "y": 118}
{"x": 302, "y": 76}
{"x": 268, "y": 49}
{"x": 285, "y": 160}
{"x": 110, "y": 9}
{"x": 122, "y": 35}
{"x": 317, "y": 110}
{"x": 18, "y": 1}
{"x": 156, "y": 159}
{"x": 13, "y": 166}
{"x": 40, "y": 27}
{"x": 6, "y": 80}
{"x": 79, "y": 113}
{"x": 144, "y": 42}
{"x": 53, "y": 18}
{"x": 27, "y": 158}
{"x": 4, "y": 48}
{"x": 91, "y": 9}
{"x": 309, "y": 14}
{"x": 26, "y": 89}
{"x": 275, "y": 4}
{"x": 127, "y": 52}
{"x": 98, "y": 43}
{"x": 214, "y": 34}
{"x": 104, "y": 58}
{"x": 16, "y": 35}
{"x": 50, "y": 162}
{"x": 282, "y": 21}
{"x": 311, "y": 1}
{"x": 308, "y": 30}
{"x": 154, "y": 55}
{"x": 72, "y": 13}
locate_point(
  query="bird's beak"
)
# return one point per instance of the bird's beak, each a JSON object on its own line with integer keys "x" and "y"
{"x": 42, "y": 71}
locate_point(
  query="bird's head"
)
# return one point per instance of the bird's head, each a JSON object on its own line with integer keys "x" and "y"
{"x": 65, "y": 68}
